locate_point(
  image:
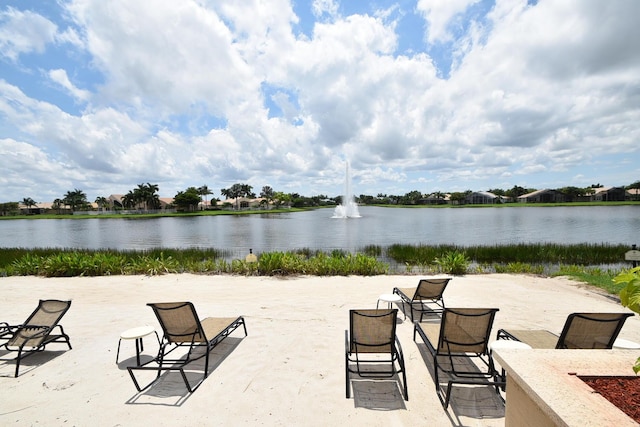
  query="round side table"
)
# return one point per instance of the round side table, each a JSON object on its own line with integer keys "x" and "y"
{"x": 498, "y": 344}
{"x": 622, "y": 344}
{"x": 136, "y": 334}
{"x": 390, "y": 299}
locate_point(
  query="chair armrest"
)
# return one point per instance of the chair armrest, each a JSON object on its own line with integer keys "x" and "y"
{"x": 430, "y": 346}
{"x": 401, "y": 294}
{"x": 504, "y": 335}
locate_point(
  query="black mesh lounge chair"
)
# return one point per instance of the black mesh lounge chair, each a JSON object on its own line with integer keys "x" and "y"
{"x": 39, "y": 330}
{"x": 5, "y": 330}
{"x": 372, "y": 345}
{"x": 182, "y": 327}
{"x": 461, "y": 337}
{"x": 427, "y": 291}
{"x": 580, "y": 331}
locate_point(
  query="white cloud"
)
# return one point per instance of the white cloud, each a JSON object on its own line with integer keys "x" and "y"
{"x": 179, "y": 97}
{"x": 60, "y": 77}
{"x": 24, "y": 32}
{"x": 192, "y": 60}
{"x": 320, "y": 7}
{"x": 439, "y": 15}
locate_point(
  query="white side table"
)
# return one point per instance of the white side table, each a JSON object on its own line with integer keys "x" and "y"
{"x": 390, "y": 299}
{"x": 498, "y": 344}
{"x": 137, "y": 334}
{"x": 621, "y": 343}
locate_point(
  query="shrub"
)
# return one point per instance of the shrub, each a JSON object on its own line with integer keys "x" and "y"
{"x": 518, "y": 268}
{"x": 630, "y": 295}
{"x": 153, "y": 266}
{"x": 453, "y": 263}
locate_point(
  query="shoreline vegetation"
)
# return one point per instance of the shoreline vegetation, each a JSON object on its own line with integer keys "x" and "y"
{"x": 593, "y": 264}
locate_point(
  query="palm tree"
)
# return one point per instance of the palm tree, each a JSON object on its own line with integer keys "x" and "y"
{"x": 75, "y": 199}
{"x": 57, "y": 204}
{"x": 28, "y": 202}
{"x": 268, "y": 193}
{"x": 236, "y": 191}
{"x": 146, "y": 194}
{"x": 152, "y": 200}
{"x": 129, "y": 200}
{"x": 139, "y": 195}
{"x": 101, "y": 202}
{"x": 204, "y": 191}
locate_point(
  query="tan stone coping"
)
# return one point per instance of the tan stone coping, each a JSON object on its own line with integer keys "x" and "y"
{"x": 550, "y": 379}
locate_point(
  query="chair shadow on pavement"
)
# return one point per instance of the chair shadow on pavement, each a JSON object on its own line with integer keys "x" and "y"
{"x": 378, "y": 394}
{"x": 169, "y": 389}
{"x": 471, "y": 401}
{"x": 27, "y": 364}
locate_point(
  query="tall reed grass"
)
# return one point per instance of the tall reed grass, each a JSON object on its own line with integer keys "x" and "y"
{"x": 72, "y": 262}
{"x": 537, "y": 253}
{"x": 585, "y": 262}
{"x": 67, "y": 263}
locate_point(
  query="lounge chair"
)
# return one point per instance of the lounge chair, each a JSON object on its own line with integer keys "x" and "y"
{"x": 182, "y": 327}
{"x": 5, "y": 330}
{"x": 580, "y": 331}
{"x": 461, "y": 337}
{"x": 37, "y": 331}
{"x": 372, "y": 345}
{"x": 427, "y": 291}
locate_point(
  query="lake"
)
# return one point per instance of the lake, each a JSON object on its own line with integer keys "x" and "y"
{"x": 317, "y": 229}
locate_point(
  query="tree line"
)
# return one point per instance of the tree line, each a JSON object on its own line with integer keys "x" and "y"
{"x": 145, "y": 197}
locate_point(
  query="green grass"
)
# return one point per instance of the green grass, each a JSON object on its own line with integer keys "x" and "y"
{"x": 594, "y": 276}
{"x": 510, "y": 205}
{"x": 155, "y": 215}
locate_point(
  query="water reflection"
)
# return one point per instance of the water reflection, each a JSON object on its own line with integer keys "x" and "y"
{"x": 317, "y": 230}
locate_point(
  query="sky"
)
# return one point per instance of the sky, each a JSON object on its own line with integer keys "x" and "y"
{"x": 426, "y": 95}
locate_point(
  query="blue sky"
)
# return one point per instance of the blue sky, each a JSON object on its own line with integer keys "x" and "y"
{"x": 427, "y": 95}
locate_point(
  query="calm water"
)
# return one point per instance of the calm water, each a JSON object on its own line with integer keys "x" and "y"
{"x": 317, "y": 230}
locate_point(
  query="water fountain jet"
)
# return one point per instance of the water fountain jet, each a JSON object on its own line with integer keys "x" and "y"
{"x": 348, "y": 208}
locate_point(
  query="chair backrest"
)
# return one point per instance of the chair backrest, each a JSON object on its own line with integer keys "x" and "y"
{"x": 591, "y": 330}
{"x": 430, "y": 289}
{"x": 45, "y": 317}
{"x": 372, "y": 331}
{"x": 179, "y": 322}
{"x": 465, "y": 330}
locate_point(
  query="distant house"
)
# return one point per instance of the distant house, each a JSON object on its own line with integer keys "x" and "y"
{"x": 166, "y": 202}
{"x": 243, "y": 202}
{"x": 207, "y": 204}
{"x": 33, "y": 209}
{"x": 115, "y": 202}
{"x": 609, "y": 194}
{"x": 633, "y": 194}
{"x": 484, "y": 198}
{"x": 543, "y": 196}
{"x": 437, "y": 199}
